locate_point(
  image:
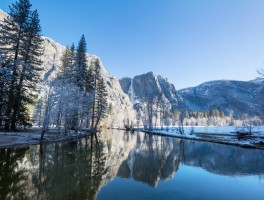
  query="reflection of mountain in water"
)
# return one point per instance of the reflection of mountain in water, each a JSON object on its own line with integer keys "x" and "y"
{"x": 156, "y": 158}
{"x": 78, "y": 170}
{"x": 222, "y": 159}
{"x": 73, "y": 170}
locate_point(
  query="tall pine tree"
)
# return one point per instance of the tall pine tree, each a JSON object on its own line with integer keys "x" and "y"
{"x": 101, "y": 101}
{"x": 81, "y": 63}
{"x": 31, "y": 66}
{"x": 11, "y": 37}
{"x": 20, "y": 47}
{"x": 99, "y": 95}
{"x": 66, "y": 69}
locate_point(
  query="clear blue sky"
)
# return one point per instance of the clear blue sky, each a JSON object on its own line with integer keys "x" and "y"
{"x": 187, "y": 41}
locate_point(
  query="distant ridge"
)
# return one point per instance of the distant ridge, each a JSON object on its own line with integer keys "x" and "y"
{"x": 238, "y": 97}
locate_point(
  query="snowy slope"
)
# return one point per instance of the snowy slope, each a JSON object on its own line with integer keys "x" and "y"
{"x": 238, "y": 96}
{"x": 149, "y": 84}
{"x": 51, "y": 59}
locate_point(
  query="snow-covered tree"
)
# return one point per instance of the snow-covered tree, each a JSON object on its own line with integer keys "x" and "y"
{"x": 66, "y": 69}
{"x": 29, "y": 75}
{"x": 20, "y": 48}
{"x": 95, "y": 84}
{"x": 101, "y": 101}
{"x": 5, "y": 81}
{"x": 80, "y": 63}
{"x": 12, "y": 36}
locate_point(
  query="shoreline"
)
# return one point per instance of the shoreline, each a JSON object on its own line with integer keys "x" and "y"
{"x": 22, "y": 139}
{"x": 225, "y": 141}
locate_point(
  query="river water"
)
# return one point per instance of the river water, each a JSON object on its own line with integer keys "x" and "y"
{"x": 119, "y": 165}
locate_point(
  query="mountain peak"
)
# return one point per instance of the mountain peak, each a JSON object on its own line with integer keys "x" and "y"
{"x": 241, "y": 97}
{"x": 149, "y": 84}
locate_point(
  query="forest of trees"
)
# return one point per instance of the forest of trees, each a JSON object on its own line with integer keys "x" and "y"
{"x": 77, "y": 97}
{"x": 155, "y": 113}
{"x": 74, "y": 100}
{"x": 20, "y": 50}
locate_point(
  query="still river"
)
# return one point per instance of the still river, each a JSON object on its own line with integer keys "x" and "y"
{"x": 126, "y": 166}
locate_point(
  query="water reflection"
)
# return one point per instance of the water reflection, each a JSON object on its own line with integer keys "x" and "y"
{"x": 13, "y": 179}
{"x": 156, "y": 158}
{"x": 152, "y": 159}
{"x": 79, "y": 169}
{"x": 69, "y": 171}
{"x": 223, "y": 159}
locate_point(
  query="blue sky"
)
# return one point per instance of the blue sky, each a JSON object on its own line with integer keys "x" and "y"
{"x": 187, "y": 41}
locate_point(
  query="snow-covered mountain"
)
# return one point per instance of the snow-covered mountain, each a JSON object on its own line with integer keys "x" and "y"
{"x": 51, "y": 59}
{"x": 224, "y": 160}
{"x": 158, "y": 158}
{"x": 240, "y": 97}
{"x": 150, "y": 85}
{"x": 120, "y": 101}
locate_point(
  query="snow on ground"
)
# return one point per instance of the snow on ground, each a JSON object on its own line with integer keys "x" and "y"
{"x": 16, "y": 139}
{"x": 213, "y": 129}
{"x": 217, "y": 134}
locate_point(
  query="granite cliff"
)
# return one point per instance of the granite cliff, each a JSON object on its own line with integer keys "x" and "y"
{"x": 239, "y": 97}
{"x": 51, "y": 58}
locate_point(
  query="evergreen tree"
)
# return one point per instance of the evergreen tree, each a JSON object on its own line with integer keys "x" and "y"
{"x": 20, "y": 47}
{"x": 101, "y": 101}
{"x": 81, "y": 63}
{"x": 12, "y": 37}
{"x": 72, "y": 48}
{"x": 12, "y": 29}
{"x": 66, "y": 69}
{"x": 31, "y": 66}
{"x": 72, "y": 57}
{"x": 90, "y": 81}
{"x": 96, "y": 77}
{"x": 5, "y": 80}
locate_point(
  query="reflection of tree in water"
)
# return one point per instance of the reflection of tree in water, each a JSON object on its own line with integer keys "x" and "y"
{"x": 153, "y": 158}
{"x": 77, "y": 170}
{"x": 74, "y": 170}
{"x": 12, "y": 179}
{"x": 69, "y": 171}
{"x": 223, "y": 159}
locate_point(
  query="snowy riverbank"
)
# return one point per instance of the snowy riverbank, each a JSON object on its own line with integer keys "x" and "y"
{"x": 32, "y": 137}
{"x": 221, "y": 135}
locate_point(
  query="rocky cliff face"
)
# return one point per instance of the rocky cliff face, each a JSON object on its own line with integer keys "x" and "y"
{"x": 125, "y": 84}
{"x": 241, "y": 97}
{"x": 147, "y": 85}
{"x": 158, "y": 158}
{"x": 152, "y": 160}
{"x": 169, "y": 91}
{"x": 51, "y": 58}
{"x": 122, "y": 107}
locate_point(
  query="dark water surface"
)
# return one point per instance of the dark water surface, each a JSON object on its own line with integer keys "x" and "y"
{"x": 127, "y": 166}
